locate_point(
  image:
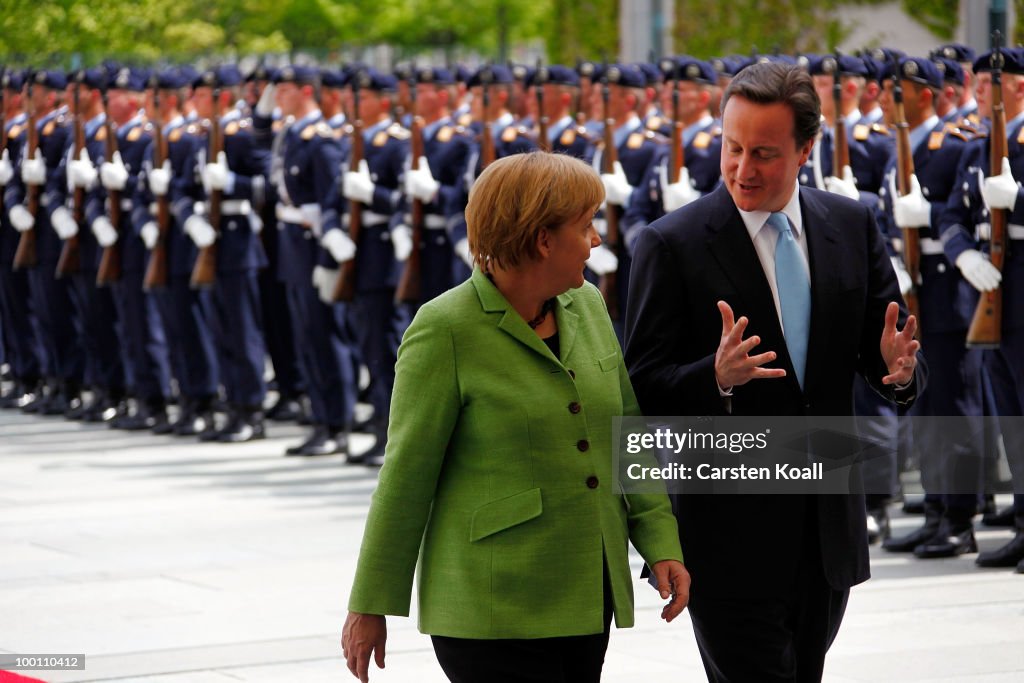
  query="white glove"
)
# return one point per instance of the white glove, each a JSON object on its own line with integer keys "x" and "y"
{"x": 1000, "y": 191}
{"x": 160, "y": 179}
{"x": 358, "y": 187}
{"x": 113, "y": 174}
{"x": 265, "y": 105}
{"x": 978, "y": 270}
{"x": 420, "y": 184}
{"x": 845, "y": 186}
{"x": 401, "y": 240}
{"x": 6, "y": 170}
{"x": 81, "y": 171}
{"x": 200, "y": 230}
{"x": 21, "y": 219}
{"x": 33, "y": 171}
{"x": 675, "y": 195}
{"x": 602, "y": 260}
{"x": 616, "y": 188}
{"x": 902, "y": 276}
{"x": 218, "y": 176}
{"x": 325, "y": 280}
{"x": 911, "y": 210}
{"x": 104, "y": 231}
{"x": 339, "y": 245}
{"x": 150, "y": 233}
{"x": 461, "y": 248}
{"x": 63, "y": 223}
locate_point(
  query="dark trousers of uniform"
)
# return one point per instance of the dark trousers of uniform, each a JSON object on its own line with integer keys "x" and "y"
{"x": 568, "y": 659}
{"x": 324, "y": 356}
{"x": 436, "y": 265}
{"x": 20, "y": 342}
{"x": 1006, "y": 372}
{"x": 242, "y": 353}
{"x": 97, "y": 317}
{"x": 277, "y": 333}
{"x": 186, "y": 316}
{"x": 775, "y": 639}
{"x": 146, "y": 355}
{"x": 379, "y": 326}
{"x": 55, "y": 313}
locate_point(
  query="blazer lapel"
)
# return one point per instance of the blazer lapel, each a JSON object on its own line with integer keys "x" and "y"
{"x": 492, "y": 301}
{"x": 823, "y": 252}
{"x": 568, "y": 324}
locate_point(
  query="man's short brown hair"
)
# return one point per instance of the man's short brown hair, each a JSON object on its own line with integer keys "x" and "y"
{"x": 771, "y": 82}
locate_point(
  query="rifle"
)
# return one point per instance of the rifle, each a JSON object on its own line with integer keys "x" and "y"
{"x": 678, "y": 158}
{"x": 487, "y": 151}
{"x": 25, "y": 256}
{"x": 345, "y": 289}
{"x": 986, "y": 330}
{"x": 905, "y": 169}
{"x": 70, "y": 254}
{"x": 586, "y": 70}
{"x": 408, "y": 290}
{"x": 204, "y": 272}
{"x": 840, "y": 145}
{"x": 539, "y": 80}
{"x": 608, "y": 282}
{"x": 156, "y": 269}
{"x": 110, "y": 264}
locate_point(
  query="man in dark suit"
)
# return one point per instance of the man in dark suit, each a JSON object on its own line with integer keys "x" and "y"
{"x": 715, "y": 327}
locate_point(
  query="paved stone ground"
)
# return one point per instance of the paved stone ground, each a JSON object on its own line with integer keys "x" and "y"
{"x": 170, "y": 561}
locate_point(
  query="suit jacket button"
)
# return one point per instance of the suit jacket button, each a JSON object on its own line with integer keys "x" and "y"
{"x": 592, "y": 482}
{"x": 574, "y": 408}
{"x": 583, "y": 445}
{"x": 572, "y": 374}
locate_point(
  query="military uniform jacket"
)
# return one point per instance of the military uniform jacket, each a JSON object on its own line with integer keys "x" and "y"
{"x": 238, "y": 244}
{"x": 133, "y": 138}
{"x": 566, "y": 137}
{"x": 965, "y": 211}
{"x": 637, "y": 149}
{"x": 95, "y": 196}
{"x": 507, "y": 497}
{"x": 870, "y": 148}
{"x": 17, "y": 138}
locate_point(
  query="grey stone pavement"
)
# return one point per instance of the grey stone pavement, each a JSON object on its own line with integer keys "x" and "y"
{"x": 170, "y": 561}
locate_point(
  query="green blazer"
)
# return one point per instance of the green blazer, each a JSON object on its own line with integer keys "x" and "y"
{"x": 498, "y": 475}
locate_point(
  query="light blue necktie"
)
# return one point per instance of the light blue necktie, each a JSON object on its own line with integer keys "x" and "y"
{"x": 794, "y": 293}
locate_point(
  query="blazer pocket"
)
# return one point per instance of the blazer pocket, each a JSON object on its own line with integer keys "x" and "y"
{"x": 504, "y": 514}
{"x": 609, "y": 363}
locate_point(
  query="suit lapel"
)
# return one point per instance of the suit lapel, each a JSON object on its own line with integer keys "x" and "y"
{"x": 492, "y": 301}
{"x": 823, "y": 252}
{"x": 568, "y": 324}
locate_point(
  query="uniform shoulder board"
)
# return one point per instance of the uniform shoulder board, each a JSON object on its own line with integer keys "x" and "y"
{"x": 635, "y": 141}
{"x": 654, "y": 123}
{"x": 701, "y": 140}
{"x": 568, "y": 136}
{"x": 380, "y": 139}
{"x": 308, "y": 132}
{"x": 277, "y": 125}
{"x": 880, "y": 128}
{"x": 396, "y": 131}
{"x": 952, "y": 130}
{"x": 48, "y": 128}
{"x": 861, "y": 132}
{"x": 15, "y": 131}
{"x": 974, "y": 119}
{"x": 509, "y": 134}
{"x": 324, "y": 130}
{"x": 444, "y": 134}
{"x": 935, "y": 139}
{"x": 1020, "y": 135}
{"x": 175, "y": 134}
{"x": 465, "y": 120}
{"x": 134, "y": 134}
{"x": 231, "y": 128}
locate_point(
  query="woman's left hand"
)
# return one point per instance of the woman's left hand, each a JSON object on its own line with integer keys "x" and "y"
{"x": 673, "y": 581}
{"x": 363, "y": 635}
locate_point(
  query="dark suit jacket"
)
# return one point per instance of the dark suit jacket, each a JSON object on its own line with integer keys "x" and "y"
{"x": 683, "y": 264}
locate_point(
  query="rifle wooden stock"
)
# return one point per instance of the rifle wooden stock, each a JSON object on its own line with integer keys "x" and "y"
{"x": 156, "y": 268}
{"x": 608, "y": 283}
{"x": 408, "y": 290}
{"x": 911, "y": 237}
{"x": 986, "y": 326}
{"x": 677, "y": 159}
{"x": 840, "y": 146}
{"x": 543, "y": 142}
{"x": 70, "y": 255}
{"x": 110, "y": 263}
{"x": 345, "y": 289}
{"x": 204, "y": 272}
{"x": 25, "y": 256}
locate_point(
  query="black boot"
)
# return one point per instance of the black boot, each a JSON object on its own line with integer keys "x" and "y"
{"x": 323, "y": 441}
{"x": 285, "y": 409}
{"x": 1003, "y": 517}
{"x": 245, "y": 424}
{"x": 1008, "y": 555}
{"x": 932, "y": 521}
{"x": 955, "y": 537}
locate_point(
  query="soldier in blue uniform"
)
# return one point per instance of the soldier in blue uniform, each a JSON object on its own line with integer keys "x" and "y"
{"x": 377, "y": 183}
{"x": 24, "y": 354}
{"x": 438, "y": 182}
{"x": 238, "y": 174}
{"x": 966, "y": 104}
{"x": 304, "y": 174}
{"x": 186, "y": 313}
{"x": 955, "y": 387}
{"x": 141, "y": 333}
{"x": 561, "y": 89}
{"x": 64, "y": 361}
{"x": 964, "y": 226}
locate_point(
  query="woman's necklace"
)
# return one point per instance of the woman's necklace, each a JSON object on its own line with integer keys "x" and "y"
{"x": 544, "y": 310}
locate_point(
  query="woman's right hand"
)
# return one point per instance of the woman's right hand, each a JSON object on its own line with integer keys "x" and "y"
{"x": 362, "y": 635}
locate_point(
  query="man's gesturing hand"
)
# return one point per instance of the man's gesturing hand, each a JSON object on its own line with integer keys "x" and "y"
{"x": 899, "y": 349}
{"x": 734, "y": 365}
